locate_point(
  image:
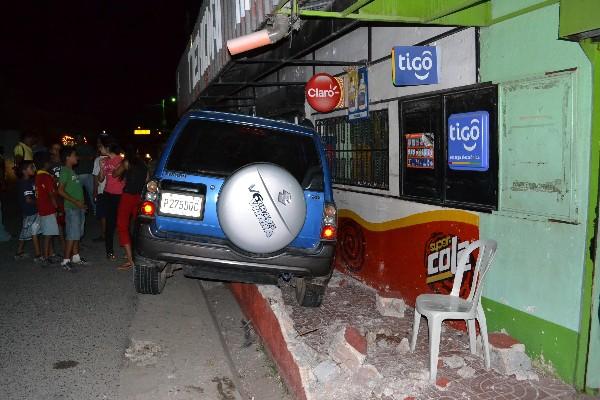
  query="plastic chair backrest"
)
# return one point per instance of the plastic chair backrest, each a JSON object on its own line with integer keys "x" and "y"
{"x": 487, "y": 251}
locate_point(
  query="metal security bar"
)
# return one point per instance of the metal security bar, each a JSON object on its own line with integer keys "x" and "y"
{"x": 357, "y": 152}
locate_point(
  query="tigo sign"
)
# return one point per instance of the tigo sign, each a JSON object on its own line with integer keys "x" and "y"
{"x": 323, "y": 92}
{"x": 414, "y": 65}
{"x": 468, "y": 141}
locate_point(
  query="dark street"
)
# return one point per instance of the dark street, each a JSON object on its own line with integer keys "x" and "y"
{"x": 65, "y": 335}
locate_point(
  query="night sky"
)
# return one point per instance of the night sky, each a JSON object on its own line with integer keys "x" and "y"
{"x": 89, "y": 65}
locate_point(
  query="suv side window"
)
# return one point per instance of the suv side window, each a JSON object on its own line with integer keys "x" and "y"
{"x": 220, "y": 148}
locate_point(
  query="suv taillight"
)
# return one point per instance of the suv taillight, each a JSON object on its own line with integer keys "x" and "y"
{"x": 329, "y": 226}
{"x": 148, "y": 208}
{"x": 150, "y": 196}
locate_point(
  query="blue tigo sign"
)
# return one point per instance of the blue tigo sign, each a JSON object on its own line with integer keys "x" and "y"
{"x": 414, "y": 65}
{"x": 469, "y": 141}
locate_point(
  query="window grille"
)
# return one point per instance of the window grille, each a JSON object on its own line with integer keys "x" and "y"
{"x": 357, "y": 152}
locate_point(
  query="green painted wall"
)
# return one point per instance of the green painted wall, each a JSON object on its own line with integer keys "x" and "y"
{"x": 544, "y": 340}
{"x": 539, "y": 266}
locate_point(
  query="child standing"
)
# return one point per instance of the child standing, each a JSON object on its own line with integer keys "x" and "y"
{"x": 70, "y": 189}
{"x": 45, "y": 188}
{"x": 31, "y": 221}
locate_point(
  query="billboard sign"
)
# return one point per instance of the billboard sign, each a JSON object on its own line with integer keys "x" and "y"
{"x": 468, "y": 141}
{"x": 414, "y": 65}
{"x": 358, "y": 94}
{"x": 206, "y": 54}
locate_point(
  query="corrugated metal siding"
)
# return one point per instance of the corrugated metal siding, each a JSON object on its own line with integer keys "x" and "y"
{"x": 251, "y": 14}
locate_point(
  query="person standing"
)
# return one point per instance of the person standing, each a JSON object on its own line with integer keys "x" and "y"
{"x": 23, "y": 151}
{"x": 31, "y": 221}
{"x": 83, "y": 169}
{"x": 112, "y": 194}
{"x": 45, "y": 191}
{"x": 135, "y": 172}
{"x": 103, "y": 142}
{"x": 54, "y": 170}
{"x": 70, "y": 189}
{"x": 55, "y": 163}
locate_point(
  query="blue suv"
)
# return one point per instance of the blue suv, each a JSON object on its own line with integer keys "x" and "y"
{"x": 238, "y": 198}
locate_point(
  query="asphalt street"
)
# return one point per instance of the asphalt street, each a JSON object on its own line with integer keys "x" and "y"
{"x": 88, "y": 335}
{"x": 63, "y": 333}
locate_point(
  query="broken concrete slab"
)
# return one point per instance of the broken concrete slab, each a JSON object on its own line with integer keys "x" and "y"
{"x": 143, "y": 352}
{"x": 368, "y": 376}
{"x": 326, "y": 371}
{"x": 345, "y": 353}
{"x": 404, "y": 346}
{"x": 466, "y": 372}
{"x": 390, "y": 306}
{"x": 508, "y": 357}
{"x": 453, "y": 361}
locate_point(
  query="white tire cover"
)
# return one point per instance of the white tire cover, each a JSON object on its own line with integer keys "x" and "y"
{"x": 261, "y": 208}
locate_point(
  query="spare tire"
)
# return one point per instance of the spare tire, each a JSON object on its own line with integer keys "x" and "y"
{"x": 261, "y": 208}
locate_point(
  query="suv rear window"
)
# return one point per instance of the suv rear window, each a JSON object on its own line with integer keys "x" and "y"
{"x": 219, "y": 148}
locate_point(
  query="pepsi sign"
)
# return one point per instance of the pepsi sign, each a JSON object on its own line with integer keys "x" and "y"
{"x": 468, "y": 141}
{"x": 414, "y": 65}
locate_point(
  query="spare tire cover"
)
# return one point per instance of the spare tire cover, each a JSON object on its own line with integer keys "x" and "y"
{"x": 261, "y": 208}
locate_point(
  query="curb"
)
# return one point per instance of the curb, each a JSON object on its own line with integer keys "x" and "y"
{"x": 258, "y": 307}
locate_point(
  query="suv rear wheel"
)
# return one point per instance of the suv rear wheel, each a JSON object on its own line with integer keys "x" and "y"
{"x": 149, "y": 279}
{"x": 309, "y": 293}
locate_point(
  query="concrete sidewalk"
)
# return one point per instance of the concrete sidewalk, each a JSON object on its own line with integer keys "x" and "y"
{"x": 175, "y": 349}
{"x": 347, "y": 350}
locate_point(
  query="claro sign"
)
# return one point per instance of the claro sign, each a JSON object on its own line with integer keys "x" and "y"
{"x": 323, "y": 92}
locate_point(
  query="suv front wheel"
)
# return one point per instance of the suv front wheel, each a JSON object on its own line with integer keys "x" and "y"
{"x": 309, "y": 293}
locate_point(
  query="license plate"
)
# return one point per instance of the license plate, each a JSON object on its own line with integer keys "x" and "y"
{"x": 181, "y": 204}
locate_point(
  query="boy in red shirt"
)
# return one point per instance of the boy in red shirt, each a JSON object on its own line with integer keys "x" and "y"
{"x": 45, "y": 188}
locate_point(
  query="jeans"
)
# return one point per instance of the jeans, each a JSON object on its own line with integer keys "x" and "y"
{"x": 111, "y": 201}
{"x": 75, "y": 222}
{"x": 87, "y": 181}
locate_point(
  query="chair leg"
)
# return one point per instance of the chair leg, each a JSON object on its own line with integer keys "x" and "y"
{"x": 417, "y": 321}
{"x": 484, "y": 335}
{"x": 472, "y": 335}
{"x": 435, "y": 328}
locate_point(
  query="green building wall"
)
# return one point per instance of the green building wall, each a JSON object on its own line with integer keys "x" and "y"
{"x": 534, "y": 289}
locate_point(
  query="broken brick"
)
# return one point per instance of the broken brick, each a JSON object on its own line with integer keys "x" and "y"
{"x": 501, "y": 340}
{"x": 355, "y": 339}
{"x": 442, "y": 381}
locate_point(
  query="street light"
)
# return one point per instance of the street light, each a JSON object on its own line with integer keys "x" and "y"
{"x": 162, "y": 105}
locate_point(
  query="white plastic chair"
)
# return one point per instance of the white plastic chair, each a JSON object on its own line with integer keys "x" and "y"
{"x": 439, "y": 307}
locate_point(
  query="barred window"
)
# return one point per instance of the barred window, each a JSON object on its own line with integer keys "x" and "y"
{"x": 357, "y": 152}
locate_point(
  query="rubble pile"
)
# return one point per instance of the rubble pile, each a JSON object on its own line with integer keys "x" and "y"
{"x": 356, "y": 346}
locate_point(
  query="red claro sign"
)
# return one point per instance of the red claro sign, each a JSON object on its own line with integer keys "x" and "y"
{"x": 323, "y": 92}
